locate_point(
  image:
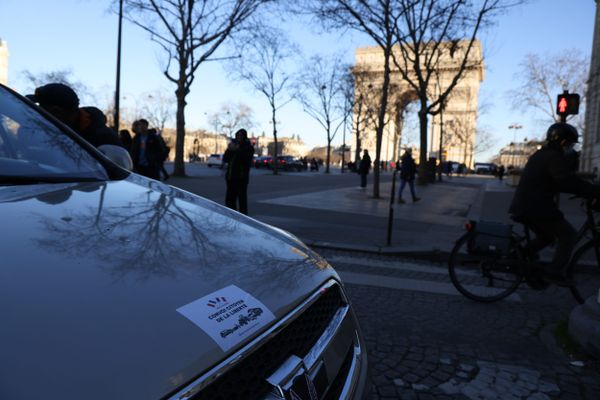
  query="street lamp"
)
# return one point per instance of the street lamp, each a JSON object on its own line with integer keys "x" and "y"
{"x": 514, "y": 127}
{"x": 118, "y": 83}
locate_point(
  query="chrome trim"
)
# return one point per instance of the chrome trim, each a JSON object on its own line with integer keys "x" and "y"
{"x": 352, "y": 379}
{"x": 230, "y": 362}
{"x": 325, "y": 339}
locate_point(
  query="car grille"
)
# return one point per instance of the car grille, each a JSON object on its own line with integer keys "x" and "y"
{"x": 247, "y": 380}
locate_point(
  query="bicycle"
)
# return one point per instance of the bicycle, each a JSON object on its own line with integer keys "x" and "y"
{"x": 490, "y": 261}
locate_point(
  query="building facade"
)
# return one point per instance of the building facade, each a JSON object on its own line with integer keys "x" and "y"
{"x": 3, "y": 62}
{"x": 515, "y": 155}
{"x": 590, "y": 155}
{"x": 457, "y": 121}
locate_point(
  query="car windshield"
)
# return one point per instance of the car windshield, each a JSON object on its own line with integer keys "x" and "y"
{"x": 34, "y": 150}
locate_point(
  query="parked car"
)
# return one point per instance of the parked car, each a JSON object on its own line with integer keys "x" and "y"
{"x": 263, "y": 162}
{"x": 215, "y": 160}
{"x": 116, "y": 286}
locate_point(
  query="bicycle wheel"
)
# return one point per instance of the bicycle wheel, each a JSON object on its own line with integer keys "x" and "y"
{"x": 584, "y": 271}
{"x": 483, "y": 277}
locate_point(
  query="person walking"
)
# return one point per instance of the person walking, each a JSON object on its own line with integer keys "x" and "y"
{"x": 501, "y": 172}
{"x": 363, "y": 168}
{"x": 407, "y": 175}
{"x": 238, "y": 158}
{"x": 146, "y": 151}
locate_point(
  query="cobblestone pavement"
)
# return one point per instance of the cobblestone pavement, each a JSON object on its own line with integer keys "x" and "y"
{"x": 436, "y": 344}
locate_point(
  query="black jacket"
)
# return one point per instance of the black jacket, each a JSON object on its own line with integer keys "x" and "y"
{"x": 408, "y": 169}
{"x": 92, "y": 127}
{"x": 239, "y": 161}
{"x": 547, "y": 173}
{"x": 365, "y": 165}
{"x": 154, "y": 150}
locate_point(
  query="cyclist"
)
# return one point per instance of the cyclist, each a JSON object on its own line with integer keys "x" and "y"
{"x": 549, "y": 171}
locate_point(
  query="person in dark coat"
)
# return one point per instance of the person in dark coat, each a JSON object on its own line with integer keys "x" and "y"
{"x": 501, "y": 171}
{"x": 238, "y": 158}
{"x": 165, "y": 150}
{"x": 407, "y": 175}
{"x": 363, "y": 168}
{"x": 146, "y": 151}
{"x": 548, "y": 172}
{"x": 126, "y": 139}
{"x": 89, "y": 122}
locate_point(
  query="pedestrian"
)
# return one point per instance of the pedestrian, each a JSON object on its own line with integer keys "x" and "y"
{"x": 165, "y": 153}
{"x": 238, "y": 158}
{"x": 448, "y": 169}
{"x": 146, "y": 150}
{"x": 314, "y": 165}
{"x": 407, "y": 175}
{"x": 89, "y": 122}
{"x": 126, "y": 139}
{"x": 501, "y": 172}
{"x": 363, "y": 168}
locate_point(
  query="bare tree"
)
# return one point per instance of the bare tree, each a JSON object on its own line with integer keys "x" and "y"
{"x": 348, "y": 100}
{"x": 231, "y": 117}
{"x": 430, "y": 30}
{"x": 189, "y": 32}
{"x": 377, "y": 19}
{"x": 542, "y": 78}
{"x": 263, "y": 66}
{"x": 318, "y": 89}
{"x": 64, "y": 76}
{"x": 157, "y": 107}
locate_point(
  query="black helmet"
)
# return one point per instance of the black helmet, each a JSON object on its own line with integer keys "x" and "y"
{"x": 562, "y": 131}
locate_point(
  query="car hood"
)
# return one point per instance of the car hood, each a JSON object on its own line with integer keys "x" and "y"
{"x": 92, "y": 276}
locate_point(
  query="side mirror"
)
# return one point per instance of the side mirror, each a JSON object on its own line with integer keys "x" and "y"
{"x": 118, "y": 155}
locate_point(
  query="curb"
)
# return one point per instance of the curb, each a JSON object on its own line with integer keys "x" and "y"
{"x": 435, "y": 255}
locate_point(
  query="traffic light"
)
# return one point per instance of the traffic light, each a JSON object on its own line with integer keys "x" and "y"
{"x": 567, "y": 104}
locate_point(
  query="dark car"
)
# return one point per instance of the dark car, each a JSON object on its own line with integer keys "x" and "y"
{"x": 263, "y": 162}
{"x": 289, "y": 163}
{"x": 116, "y": 286}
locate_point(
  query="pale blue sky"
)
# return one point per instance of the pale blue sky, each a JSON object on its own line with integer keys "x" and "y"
{"x": 81, "y": 35}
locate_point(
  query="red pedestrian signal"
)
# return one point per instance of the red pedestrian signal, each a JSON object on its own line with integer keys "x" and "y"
{"x": 567, "y": 104}
{"x": 562, "y": 105}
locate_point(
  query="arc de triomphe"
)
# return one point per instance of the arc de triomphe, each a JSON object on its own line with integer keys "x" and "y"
{"x": 459, "y": 115}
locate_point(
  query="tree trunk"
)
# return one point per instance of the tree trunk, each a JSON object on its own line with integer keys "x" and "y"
{"x": 441, "y": 148}
{"x": 275, "y": 159}
{"x": 357, "y": 149}
{"x": 381, "y": 120}
{"x": 422, "y": 180}
{"x": 328, "y": 158}
{"x": 179, "y": 166}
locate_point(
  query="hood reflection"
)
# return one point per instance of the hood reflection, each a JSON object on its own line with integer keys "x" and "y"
{"x": 159, "y": 231}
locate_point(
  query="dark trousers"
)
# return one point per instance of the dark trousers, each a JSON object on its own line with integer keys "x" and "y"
{"x": 411, "y": 185}
{"x": 548, "y": 232}
{"x": 237, "y": 190}
{"x": 150, "y": 171}
{"x": 363, "y": 180}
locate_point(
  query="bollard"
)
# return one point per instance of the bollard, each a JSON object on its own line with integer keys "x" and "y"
{"x": 391, "y": 213}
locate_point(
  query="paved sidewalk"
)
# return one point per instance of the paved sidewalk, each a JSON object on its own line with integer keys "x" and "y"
{"x": 432, "y": 224}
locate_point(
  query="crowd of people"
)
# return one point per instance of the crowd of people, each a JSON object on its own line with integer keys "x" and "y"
{"x": 147, "y": 148}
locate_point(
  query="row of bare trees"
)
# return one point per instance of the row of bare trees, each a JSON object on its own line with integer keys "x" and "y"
{"x": 413, "y": 36}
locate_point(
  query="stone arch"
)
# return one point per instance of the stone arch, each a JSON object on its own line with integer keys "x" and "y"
{"x": 460, "y": 112}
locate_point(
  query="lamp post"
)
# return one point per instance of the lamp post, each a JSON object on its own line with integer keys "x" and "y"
{"x": 514, "y": 127}
{"x": 118, "y": 83}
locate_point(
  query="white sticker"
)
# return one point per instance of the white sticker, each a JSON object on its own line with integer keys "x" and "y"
{"x": 228, "y": 315}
